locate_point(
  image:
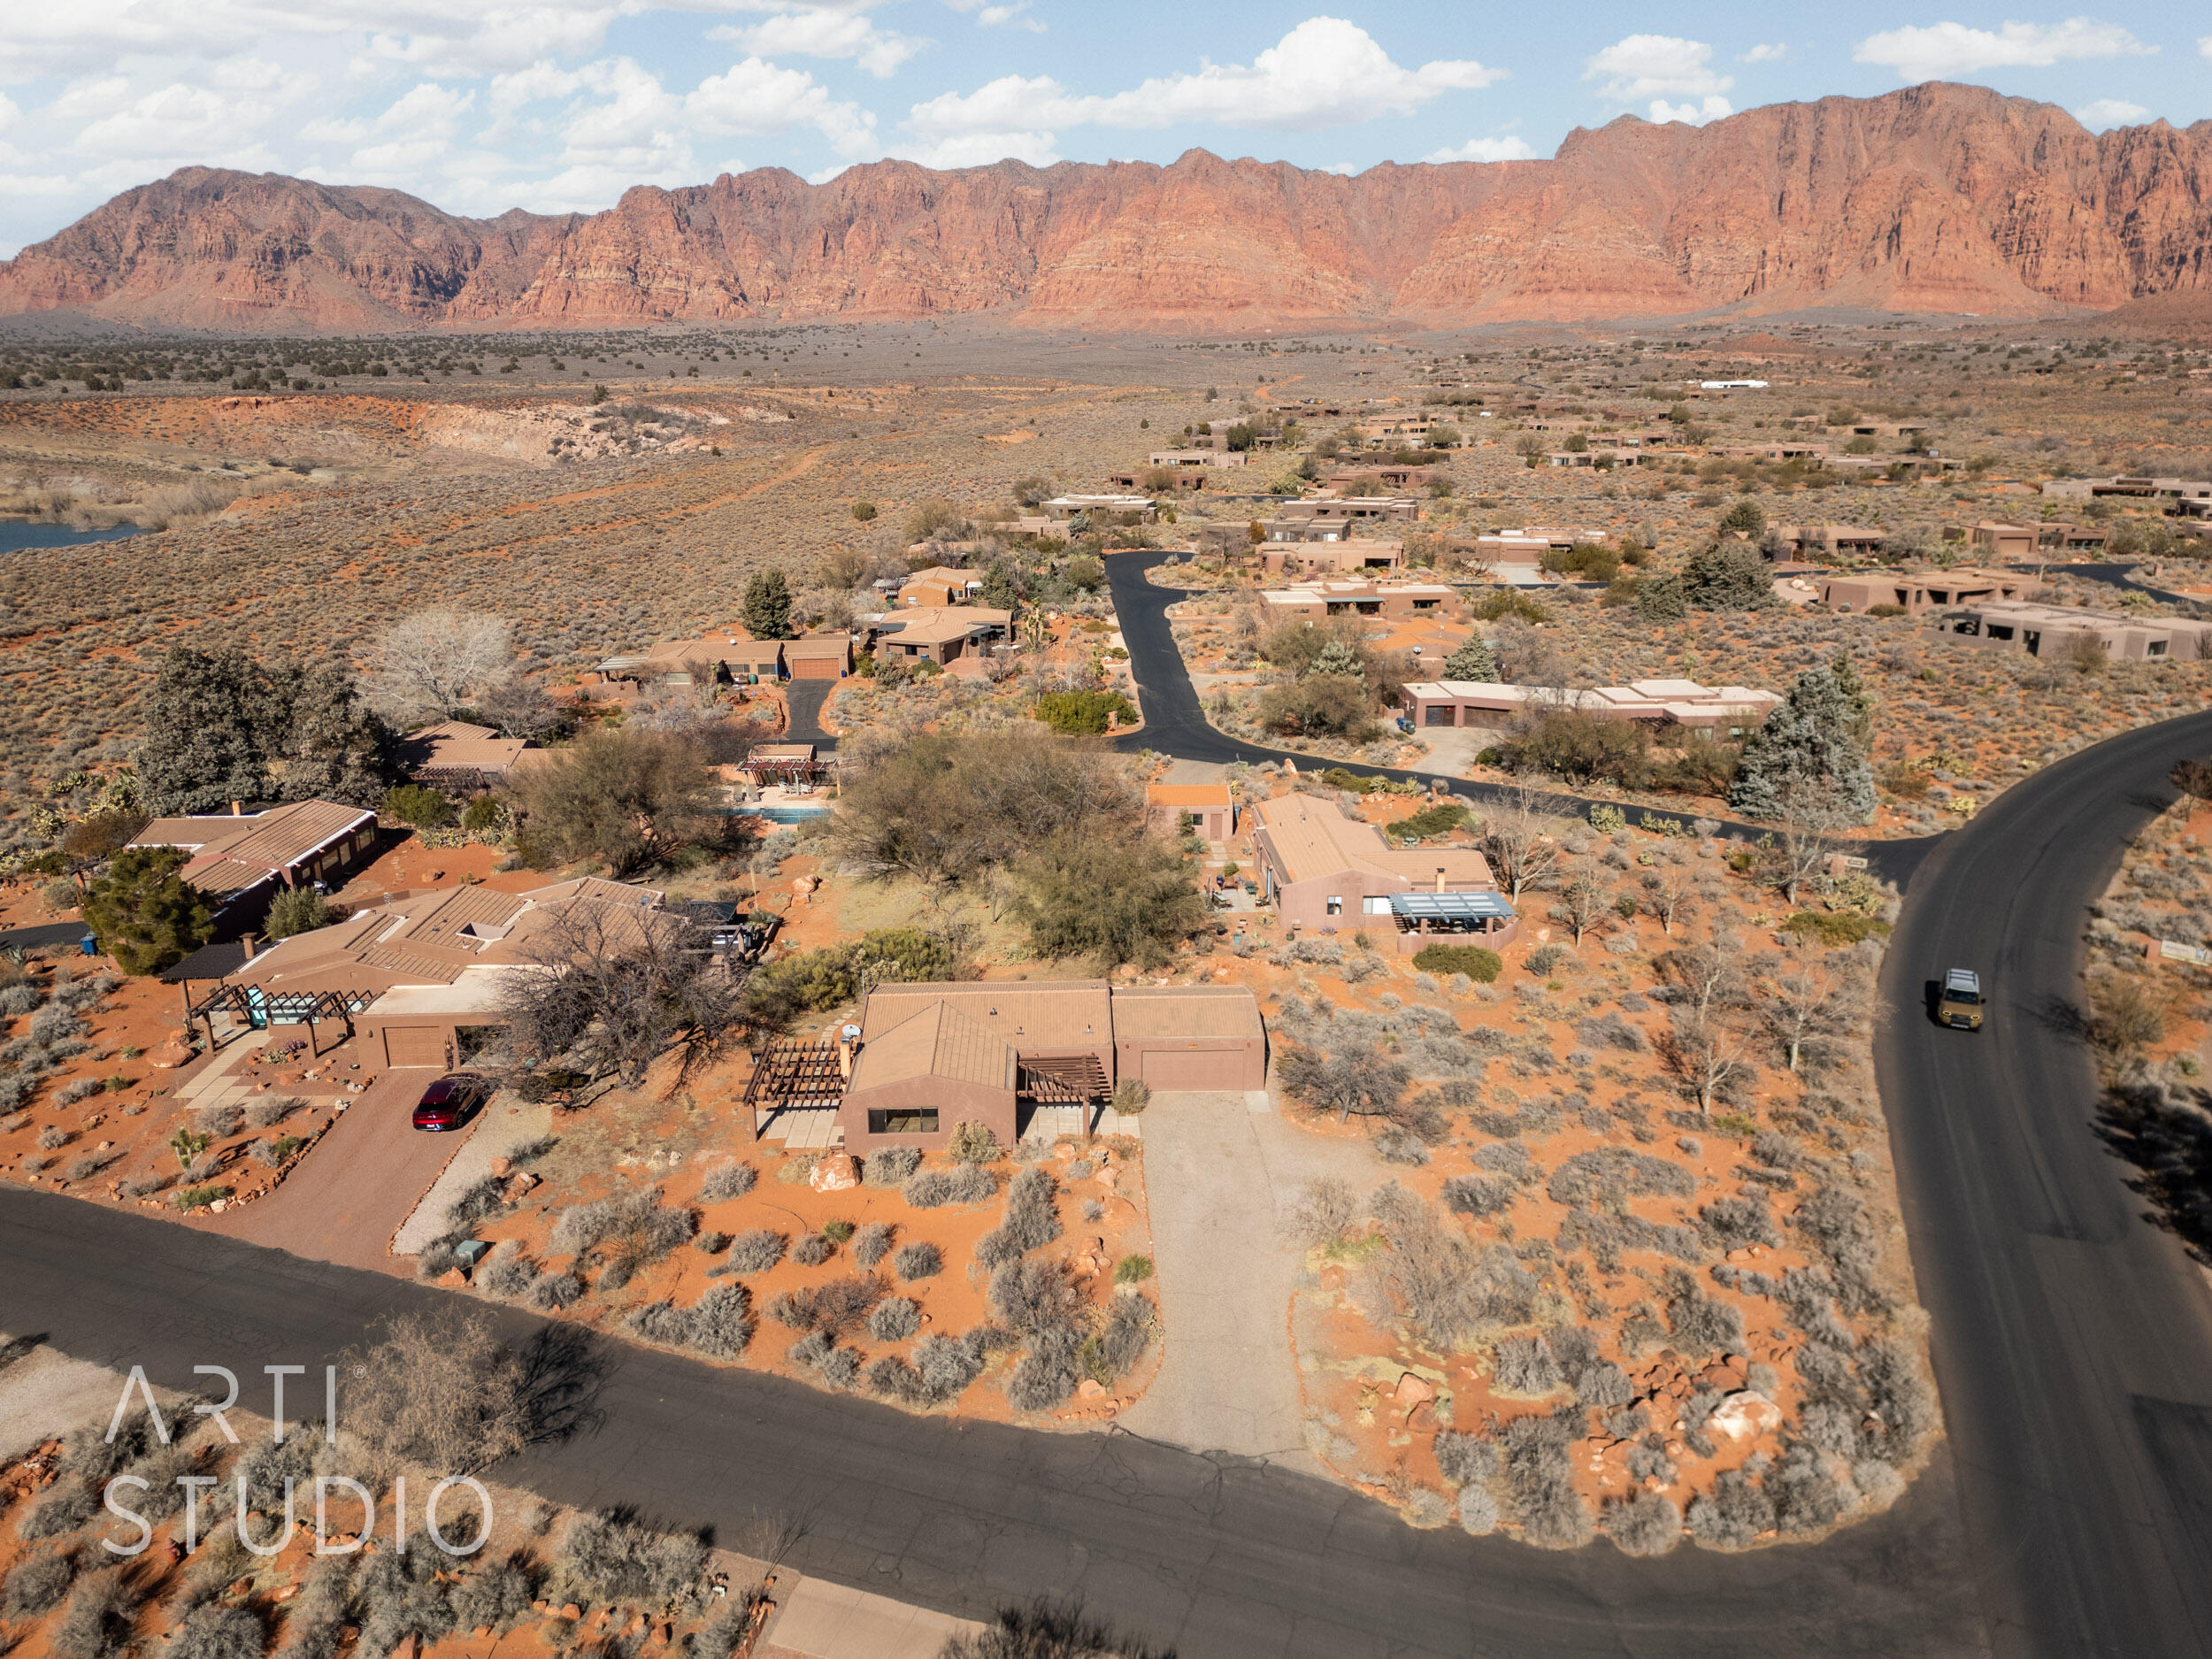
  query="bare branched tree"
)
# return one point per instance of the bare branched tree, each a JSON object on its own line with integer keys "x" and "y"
{"x": 445, "y": 1393}
{"x": 1811, "y": 998}
{"x": 613, "y": 988}
{"x": 1665, "y": 892}
{"x": 1811, "y": 813}
{"x": 1582, "y": 898}
{"x": 435, "y": 662}
{"x": 1522, "y": 842}
{"x": 1708, "y": 1043}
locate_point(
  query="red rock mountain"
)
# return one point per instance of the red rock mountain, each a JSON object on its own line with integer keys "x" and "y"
{"x": 1937, "y": 198}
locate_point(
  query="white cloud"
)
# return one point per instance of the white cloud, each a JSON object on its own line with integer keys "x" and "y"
{"x": 2105, "y": 113}
{"x": 1711, "y": 109}
{"x": 1013, "y": 14}
{"x": 824, "y": 32}
{"x": 1325, "y": 72}
{"x": 1643, "y": 66}
{"x": 2204, "y": 45}
{"x": 1765, "y": 53}
{"x": 1507, "y": 149}
{"x": 759, "y": 97}
{"x": 1937, "y": 50}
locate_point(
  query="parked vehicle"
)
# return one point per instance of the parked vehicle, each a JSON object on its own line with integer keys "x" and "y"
{"x": 1959, "y": 1004}
{"x": 451, "y": 1100}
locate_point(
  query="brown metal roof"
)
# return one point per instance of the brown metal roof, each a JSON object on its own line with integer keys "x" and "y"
{"x": 1187, "y": 1011}
{"x": 275, "y": 840}
{"x": 1032, "y": 1016}
{"x": 934, "y": 1039}
{"x": 220, "y": 878}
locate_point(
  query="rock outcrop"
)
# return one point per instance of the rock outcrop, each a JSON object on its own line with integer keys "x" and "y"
{"x": 1937, "y": 198}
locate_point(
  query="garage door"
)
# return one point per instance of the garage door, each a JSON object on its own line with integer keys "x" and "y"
{"x": 824, "y": 667}
{"x": 414, "y": 1045}
{"x": 1193, "y": 1069}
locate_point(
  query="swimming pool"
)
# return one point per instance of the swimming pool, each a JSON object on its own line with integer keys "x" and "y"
{"x": 778, "y": 812}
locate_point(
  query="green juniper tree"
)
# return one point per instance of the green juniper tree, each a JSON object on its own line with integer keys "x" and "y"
{"x": 1809, "y": 746}
{"x": 767, "y": 607}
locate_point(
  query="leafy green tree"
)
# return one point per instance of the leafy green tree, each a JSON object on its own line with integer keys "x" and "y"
{"x": 413, "y": 803}
{"x": 1860, "y": 700}
{"x": 1662, "y": 599}
{"x": 1082, "y": 713}
{"x": 864, "y": 510}
{"x": 1241, "y": 437}
{"x": 143, "y": 914}
{"x": 999, "y": 592}
{"x": 627, "y": 797}
{"x": 767, "y": 606}
{"x": 1473, "y": 660}
{"x": 1320, "y": 705}
{"x": 1130, "y": 900}
{"x": 1084, "y": 572}
{"x": 1808, "y": 750}
{"x": 296, "y": 911}
{"x": 1746, "y": 517}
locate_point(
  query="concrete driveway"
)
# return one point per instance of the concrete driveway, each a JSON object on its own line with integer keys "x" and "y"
{"x": 362, "y": 1181}
{"x": 1218, "y": 1171}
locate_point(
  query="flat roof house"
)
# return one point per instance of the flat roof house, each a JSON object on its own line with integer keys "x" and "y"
{"x": 1921, "y": 591}
{"x": 1833, "y": 539}
{"x": 1210, "y": 809}
{"x": 420, "y": 970}
{"x": 2047, "y": 630}
{"x": 1994, "y": 540}
{"x": 939, "y": 587}
{"x": 715, "y": 656}
{"x": 1198, "y": 457}
{"x": 1727, "y": 710}
{"x": 931, "y": 1056}
{"x": 456, "y": 756}
{"x": 1092, "y": 506}
{"x": 1331, "y": 517}
{"x": 240, "y": 862}
{"x": 2125, "y": 484}
{"x": 1310, "y": 559}
{"x": 818, "y": 656}
{"x": 1327, "y": 872}
{"x": 1392, "y": 601}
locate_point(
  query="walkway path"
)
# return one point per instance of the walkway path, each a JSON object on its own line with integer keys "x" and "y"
{"x": 804, "y": 700}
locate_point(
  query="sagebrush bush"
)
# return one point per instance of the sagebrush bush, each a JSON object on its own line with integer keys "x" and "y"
{"x": 1464, "y": 1459}
{"x": 891, "y": 1165}
{"x": 214, "y": 1631}
{"x": 97, "y": 1623}
{"x": 1477, "y": 1510}
{"x": 1047, "y": 1373}
{"x": 1734, "y": 1514}
{"x": 872, "y": 1243}
{"x": 1541, "y": 1479}
{"x": 1646, "y": 1525}
{"x": 60, "y": 1512}
{"x": 757, "y": 1251}
{"x": 813, "y": 1250}
{"x": 722, "y": 1322}
{"x": 1030, "y": 1222}
{"x": 555, "y": 1291}
{"x": 968, "y": 1184}
{"x": 222, "y": 1122}
{"x": 972, "y": 1142}
{"x": 726, "y": 1181}
{"x": 1033, "y": 1295}
{"x": 272, "y": 1109}
{"x": 1525, "y": 1367}
{"x": 895, "y": 1319}
{"x": 491, "y": 1599}
{"x": 36, "y": 1584}
{"x": 612, "y": 1559}
{"x": 662, "y": 1322}
{"x": 918, "y": 1260}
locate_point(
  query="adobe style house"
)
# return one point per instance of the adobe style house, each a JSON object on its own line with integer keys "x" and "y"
{"x": 1921, "y": 591}
{"x": 1198, "y": 457}
{"x": 1315, "y": 558}
{"x": 1993, "y": 540}
{"x": 1829, "y": 541}
{"x": 1392, "y": 601}
{"x": 1603, "y": 460}
{"x": 458, "y": 757}
{"x": 717, "y": 655}
{"x": 1530, "y": 544}
{"x": 1209, "y": 807}
{"x": 2048, "y": 630}
{"x": 1139, "y": 508}
{"x": 939, "y": 635}
{"x": 418, "y": 972}
{"x": 1386, "y": 478}
{"x": 2121, "y": 484}
{"x": 818, "y": 656}
{"x": 1332, "y": 873}
{"x": 939, "y": 587}
{"x": 1723, "y": 710}
{"x": 1333, "y": 517}
{"x": 241, "y": 861}
{"x": 931, "y": 1056}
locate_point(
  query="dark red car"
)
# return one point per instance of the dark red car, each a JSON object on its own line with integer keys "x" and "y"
{"x": 450, "y": 1102}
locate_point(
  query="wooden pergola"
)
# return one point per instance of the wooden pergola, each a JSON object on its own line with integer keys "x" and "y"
{"x": 792, "y": 1072}
{"x": 258, "y": 1008}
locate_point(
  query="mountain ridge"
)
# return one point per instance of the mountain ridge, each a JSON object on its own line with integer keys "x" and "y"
{"x": 1934, "y": 198}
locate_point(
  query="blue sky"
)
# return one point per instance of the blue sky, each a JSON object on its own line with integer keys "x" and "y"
{"x": 479, "y": 105}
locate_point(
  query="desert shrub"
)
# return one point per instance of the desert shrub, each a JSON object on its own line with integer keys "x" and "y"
{"x": 757, "y": 1251}
{"x": 400, "y": 1599}
{"x": 726, "y": 1181}
{"x": 891, "y": 1165}
{"x": 1131, "y": 1096}
{"x": 1464, "y": 1459}
{"x": 557, "y": 1291}
{"x": 722, "y": 1322}
{"x": 36, "y": 1584}
{"x": 76, "y": 1090}
{"x": 1047, "y": 1373}
{"x": 1525, "y": 1367}
{"x": 1477, "y": 1510}
{"x": 1699, "y": 1324}
{"x": 968, "y": 1184}
{"x": 1121, "y": 1341}
{"x": 813, "y": 1250}
{"x": 214, "y": 1631}
{"x": 510, "y": 1274}
{"x": 1032, "y": 1222}
{"x": 895, "y": 1319}
{"x": 61, "y": 1511}
{"x": 711, "y": 1243}
{"x": 491, "y": 1599}
{"x": 1133, "y": 1270}
{"x": 1031, "y": 1295}
{"x": 272, "y": 1109}
{"x": 1041, "y": 1628}
{"x": 1646, "y": 1525}
{"x": 1602, "y": 1387}
{"x": 818, "y": 1351}
{"x": 972, "y": 1142}
{"x": 832, "y": 1310}
{"x": 268, "y": 1465}
{"x": 98, "y": 1624}
{"x": 611, "y": 1559}
{"x": 1083, "y": 713}
{"x": 1324, "y": 1208}
{"x": 1448, "y": 1289}
{"x": 872, "y": 1243}
{"x": 918, "y": 1260}
{"x": 1607, "y": 1177}
{"x": 19, "y": 999}
{"x": 1734, "y": 1514}
{"x": 221, "y": 1122}
{"x": 1479, "y": 1196}
{"x": 1735, "y": 1221}
{"x": 662, "y": 1322}
{"x": 635, "y": 1228}
{"x": 479, "y": 1201}
{"x": 53, "y": 1138}
{"x": 1474, "y": 961}
{"x": 1541, "y": 1479}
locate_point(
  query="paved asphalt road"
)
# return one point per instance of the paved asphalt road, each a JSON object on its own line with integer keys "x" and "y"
{"x": 45, "y": 934}
{"x": 1224, "y": 1556}
{"x": 1174, "y": 722}
{"x": 2072, "y": 1339}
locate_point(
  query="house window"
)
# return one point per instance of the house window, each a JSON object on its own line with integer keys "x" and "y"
{"x": 1375, "y": 905}
{"x": 921, "y": 1122}
{"x": 1336, "y": 904}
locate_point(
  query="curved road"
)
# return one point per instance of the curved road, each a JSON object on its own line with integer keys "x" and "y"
{"x": 1175, "y": 723}
{"x": 2072, "y": 1339}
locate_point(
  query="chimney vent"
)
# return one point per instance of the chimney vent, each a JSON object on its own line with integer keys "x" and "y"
{"x": 250, "y": 941}
{"x": 238, "y": 809}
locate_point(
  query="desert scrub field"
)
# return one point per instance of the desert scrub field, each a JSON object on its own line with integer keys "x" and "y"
{"x": 1639, "y": 1268}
